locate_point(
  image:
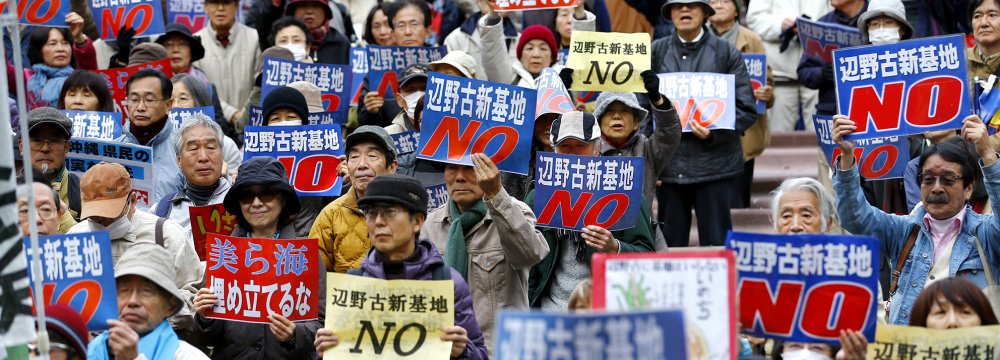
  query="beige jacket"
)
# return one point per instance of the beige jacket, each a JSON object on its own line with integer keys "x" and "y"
{"x": 231, "y": 69}
{"x": 498, "y": 265}
{"x": 758, "y": 136}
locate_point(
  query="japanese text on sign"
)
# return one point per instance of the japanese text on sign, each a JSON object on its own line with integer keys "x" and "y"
{"x": 608, "y": 61}
{"x": 437, "y": 196}
{"x": 209, "y": 219}
{"x": 385, "y": 63}
{"x": 95, "y": 124}
{"x": 359, "y": 68}
{"x": 178, "y": 116}
{"x": 190, "y": 13}
{"x": 757, "y": 69}
{"x": 819, "y": 39}
{"x": 515, "y": 5}
{"x": 145, "y": 16}
{"x": 254, "y": 278}
{"x": 137, "y": 160}
{"x": 406, "y": 142}
{"x": 41, "y": 12}
{"x": 552, "y": 95}
{"x": 308, "y": 152}
{"x": 911, "y": 342}
{"x": 877, "y": 158}
{"x": 791, "y": 286}
{"x": 573, "y": 191}
{"x": 708, "y": 98}
{"x": 332, "y": 80}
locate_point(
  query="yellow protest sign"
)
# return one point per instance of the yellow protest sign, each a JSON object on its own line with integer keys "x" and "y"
{"x": 608, "y": 61}
{"x": 380, "y": 319}
{"x": 910, "y": 342}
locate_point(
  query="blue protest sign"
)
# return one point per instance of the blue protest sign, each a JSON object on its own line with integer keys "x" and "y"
{"x": 308, "y": 152}
{"x": 359, "y": 68}
{"x": 904, "y": 88}
{"x": 145, "y": 16}
{"x": 561, "y": 56}
{"x": 573, "y": 191}
{"x": 651, "y": 334}
{"x": 327, "y": 118}
{"x": 77, "y": 271}
{"x": 385, "y": 63}
{"x": 190, "y": 13}
{"x": 332, "y": 80}
{"x": 466, "y": 116}
{"x": 40, "y": 12}
{"x": 178, "y": 116}
{"x": 806, "y": 288}
{"x": 553, "y": 98}
{"x": 437, "y": 196}
{"x": 256, "y": 116}
{"x": 757, "y": 68}
{"x": 95, "y": 124}
{"x": 406, "y": 142}
{"x": 708, "y": 98}
{"x": 820, "y": 39}
{"x": 877, "y": 158}
{"x": 138, "y": 161}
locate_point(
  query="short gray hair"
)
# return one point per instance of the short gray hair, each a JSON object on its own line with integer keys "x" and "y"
{"x": 827, "y": 207}
{"x": 192, "y": 122}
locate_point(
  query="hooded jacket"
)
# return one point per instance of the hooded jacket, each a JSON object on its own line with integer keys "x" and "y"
{"x": 421, "y": 268}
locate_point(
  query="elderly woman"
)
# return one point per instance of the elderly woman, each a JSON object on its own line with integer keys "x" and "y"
{"x": 292, "y": 34}
{"x": 265, "y": 206}
{"x": 188, "y": 93}
{"x": 54, "y": 53}
{"x": 183, "y": 49}
{"x": 85, "y": 91}
{"x": 377, "y": 29}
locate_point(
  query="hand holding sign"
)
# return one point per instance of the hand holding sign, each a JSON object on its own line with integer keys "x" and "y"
{"x": 600, "y": 239}
{"x": 75, "y": 22}
{"x": 325, "y": 339}
{"x": 487, "y": 174}
{"x": 459, "y": 339}
{"x": 700, "y": 131}
{"x": 281, "y": 327}
{"x": 853, "y": 344}
{"x": 842, "y": 126}
{"x": 974, "y": 131}
{"x": 652, "y": 84}
{"x": 204, "y": 299}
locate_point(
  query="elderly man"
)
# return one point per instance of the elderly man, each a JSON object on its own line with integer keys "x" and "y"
{"x": 49, "y": 134}
{"x": 199, "y": 155}
{"x": 232, "y": 53}
{"x": 48, "y": 208}
{"x": 802, "y": 206}
{"x": 340, "y": 227}
{"x": 939, "y": 239}
{"x": 144, "y": 279}
{"x": 488, "y": 236}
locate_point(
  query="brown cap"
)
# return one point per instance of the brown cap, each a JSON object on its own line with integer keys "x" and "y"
{"x": 104, "y": 190}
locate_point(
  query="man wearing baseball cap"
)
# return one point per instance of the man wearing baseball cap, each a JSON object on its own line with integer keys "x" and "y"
{"x": 412, "y": 85}
{"x": 340, "y": 227}
{"x": 49, "y": 134}
{"x": 395, "y": 207}
{"x": 144, "y": 278}
{"x": 568, "y": 261}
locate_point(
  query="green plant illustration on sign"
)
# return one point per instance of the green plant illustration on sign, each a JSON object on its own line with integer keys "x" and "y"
{"x": 635, "y": 295}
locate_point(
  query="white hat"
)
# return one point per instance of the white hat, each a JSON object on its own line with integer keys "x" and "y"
{"x": 460, "y": 60}
{"x": 891, "y": 8}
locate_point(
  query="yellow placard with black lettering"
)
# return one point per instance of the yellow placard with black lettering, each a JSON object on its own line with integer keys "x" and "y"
{"x": 911, "y": 342}
{"x": 608, "y": 61}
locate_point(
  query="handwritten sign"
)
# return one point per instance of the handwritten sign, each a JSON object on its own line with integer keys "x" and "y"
{"x": 757, "y": 69}
{"x": 806, "y": 288}
{"x": 437, "y": 196}
{"x": 552, "y": 95}
{"x": 517, "y": 5}
{"x": 608, "y": 61}
{"x": 911, "y": 342}
{"x": 178, "y": 116}
{"x": 207, "y": 219}
{"x": 117, "y": 79}
{"x": 381, "y": 318}
{"x": 308, "y": 152}
{"x": 466, "y": 116}
{"x": 254, "y": 278}
{"x": 877, "y": 158}
{"x": 137, "y": 160}
{"x": 820, "y": 39}
{"x": 95, "y": 124}
{"x": 708, "y": 98}
{"x": 333, "y": 81}
{"x": 77, "y": 271}
{"x": 573, "y": 191}
{"x": 701, "y": 283}
{"x": 190, "y": 13}
{"x": 904, "y": 88}
{"x": 145, "y": 16}
{"x": 385, "y": 63}
{"x": 40, "y": 12}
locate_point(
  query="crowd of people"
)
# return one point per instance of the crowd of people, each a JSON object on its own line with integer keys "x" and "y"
{"x": 939, "y": 240}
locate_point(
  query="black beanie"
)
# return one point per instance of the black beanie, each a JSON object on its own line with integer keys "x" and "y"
{"x": 396, "y": 189}
{"x": 285, "y": 98}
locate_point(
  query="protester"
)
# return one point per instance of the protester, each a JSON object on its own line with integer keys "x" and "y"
{"x": 48, "y": 209}
{"x": 340, "y": 226}
{"x": 292, "y": 34}
{"x": 254, "y": 98}
{"x": 331, "y": 46}
{"x": 189, "y": 93}
{"x": 395, "y": 207}
{"x": 68, "y": 337}
{"x": 792, "y": 350}
{"x": 817, "y": 75}
{"x": 802, "y": 206}
{"x": 285, "y": 106}
{"x": 49, "y": 135}
{"x": 981, "y": 58}
{"x": 264, "y": 205}
{"x": 144, "y": 279}
{"x": 85, "y": 91}
{"x": 412, "y": 86}
{"x": 518, "y": 185}
{"x": 53, "y": 53}
{"x": 979, "y": 200}
{"x": 377, "y": 28}
{"x": 412, "y": 90}
{"x": 231, "y": 53}
{"x": 183, "y": 49}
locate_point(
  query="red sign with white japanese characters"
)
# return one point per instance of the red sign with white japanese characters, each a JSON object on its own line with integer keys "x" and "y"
{"x": 515, "y": 5}
{"x": 253, "y": 278}
{"x": 209, "y": 219}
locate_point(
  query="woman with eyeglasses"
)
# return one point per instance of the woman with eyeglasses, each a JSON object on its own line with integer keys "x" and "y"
{"x": 265, "y": 206}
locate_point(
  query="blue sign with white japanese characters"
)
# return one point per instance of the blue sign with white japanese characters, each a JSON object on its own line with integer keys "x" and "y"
{"x": 573, "y": 191}
{"x": 333, "y": 81}
{"x": 406, "y": 142}
{"x": 655, "y": 334}
{"x": 806, "y": 288}
{"x": 386, "y": 64}
{"x": 308, "y": 152}
{"x": 820, "y": 39}
{"x": 359, "y": 68}
{"x": 877, "y": 158}
{"x": 77, "y": 271}
{"x": 437, "y": 196}
{"x": 757, "y": 69}
{"x": 178, "y": 116}
{"x": 95, "y": 124}
{"x": 138, "y": 161}
{"x": 190, "y": 13}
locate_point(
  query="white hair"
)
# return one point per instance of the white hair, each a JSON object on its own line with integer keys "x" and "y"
{"x": 827, "y": 207}
{"x": 193, "y": 121}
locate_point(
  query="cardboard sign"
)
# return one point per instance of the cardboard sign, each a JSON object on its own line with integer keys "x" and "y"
{"x": 608, "y": 61}
{"x": 437, "y": 196}
{"x": 904, "y": 88}
{"x": 359, "y": 68}
{"x": 375, "y": 318}
{"x": 254, "y": 278}
{"x": 190, "y": 13}
{"x": 95, "y": 124}
{"x": 77, "y": 271}
{"x": 208, "y": 219}
{"x": 386, "y": 64}
{"x": 145, "y": 16}
{"x": 573, "y": 191}
{"x": 757, "y": 69}
{"x": 467, "y": 116}
{"x": 806, "y": 288}
{"x": 333, "y": 81}
{"x": 178, "y": 116}
{"x": 912, "y": 342}
{"x": 117, "y": 79}
{"x": 552, "y": 95}
{"x": 406, "y": 142}
{"x": 138, "y": 161}
{"x": 701, "y": 283}
{"x": 40, "y": 12}
{"x": 309, "y": 153}
{"x": 877, "y": 158}
{"x": 516, "y": 5}
{"x": 708, "y": 98}
{"x": 820, "y": 39}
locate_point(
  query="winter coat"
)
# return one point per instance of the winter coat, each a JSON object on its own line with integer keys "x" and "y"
{"x": 497, "y": 62}
{"x": 467, "y": 39}
{"x": 230, "y": 69}
{"x": 811, "y": 70}
{"x": 178, "y": 211}
{"x": 764, "y": 17}
{"x": 422, "y": 268}
{"x": 721, "y": 155}
{"x": 342, "y": 233}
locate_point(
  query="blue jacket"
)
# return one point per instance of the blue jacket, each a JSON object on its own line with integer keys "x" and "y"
{"x": 892, "y": 231}
{"x": 167, "y": 174}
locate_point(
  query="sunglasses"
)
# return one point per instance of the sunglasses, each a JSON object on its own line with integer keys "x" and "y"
{"x": 263, "y": 196}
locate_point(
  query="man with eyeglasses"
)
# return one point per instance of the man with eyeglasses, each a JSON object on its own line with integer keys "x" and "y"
{"x": 48, "y": 208}
{"x": 49, "y": 134}
{"x": 941, "y": 239}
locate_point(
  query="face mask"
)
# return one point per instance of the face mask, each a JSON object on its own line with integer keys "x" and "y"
{"x": 411, "y": 102}
{"x": 119, "y": 228}
{"x": 803, "y": 354}
{"x": 885, "y": 35}
{"x": 287, "y": 123}
{"x": 298, "y": 50}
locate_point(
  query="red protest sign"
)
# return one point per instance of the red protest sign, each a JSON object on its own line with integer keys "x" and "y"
{"x": 515, "y": 5}
{"x": 209, "y": 219}
{"x": 253, "y": 278}
{"x": 117, "y": 78}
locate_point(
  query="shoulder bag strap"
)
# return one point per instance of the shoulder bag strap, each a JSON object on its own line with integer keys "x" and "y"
{"x": 902, "y": 258}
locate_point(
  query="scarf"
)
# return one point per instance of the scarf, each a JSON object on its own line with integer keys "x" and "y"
{"x": 200, "y": 195}
{"x": 456, "y": 251}
{"x": 144, "y": 134}
{"x": 46, "y": 82}
{"x": 319, "y": 35}
{"x": 730, "y": 35}
{"x": 160, "y": 344}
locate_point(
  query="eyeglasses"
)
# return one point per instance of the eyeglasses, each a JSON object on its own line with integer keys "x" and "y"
{"x": 33, "y": 348}
{"x": 264, "y": 196}
{"x": 52, "y": 142}
{"x": 45, "y": 212}
{"x": 373, "y": 213}
{"x": 145, "y": 292}
{"x": 136, "y": 100}
{"x": 946, "y": 179}
{"x": 415, "y": 25}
